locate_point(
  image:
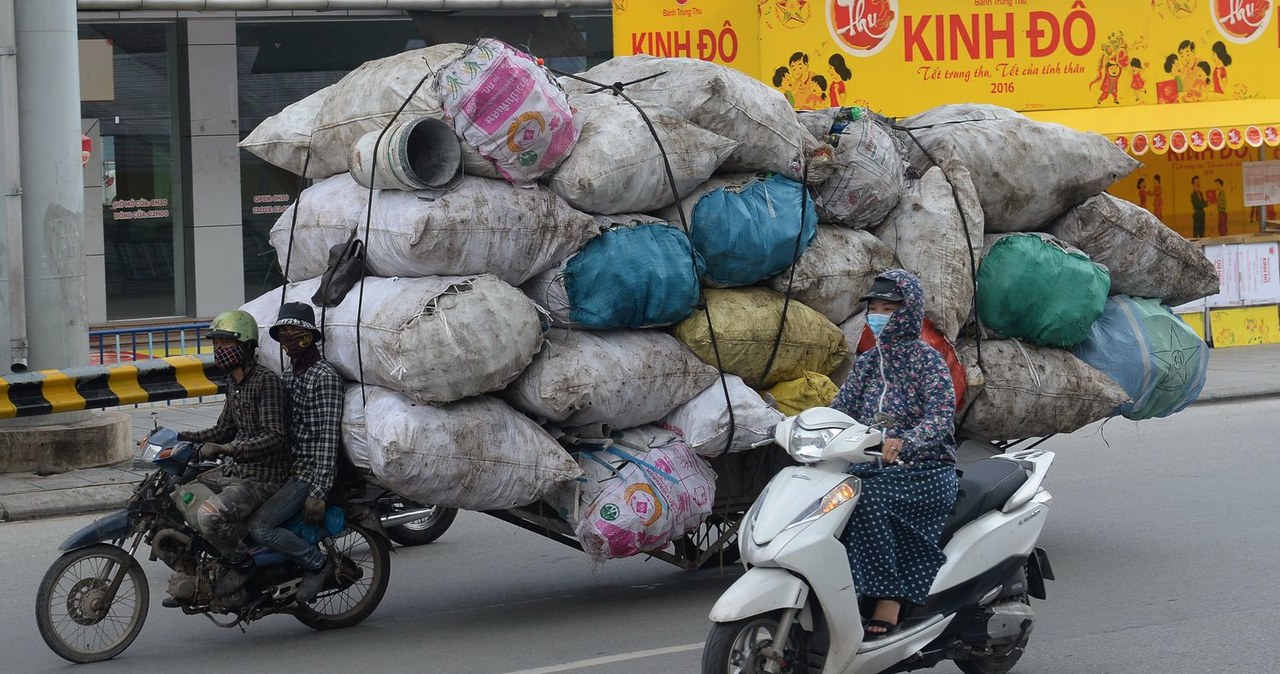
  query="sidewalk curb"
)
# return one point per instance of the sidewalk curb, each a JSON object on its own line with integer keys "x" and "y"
{"x": 63, "y": 502}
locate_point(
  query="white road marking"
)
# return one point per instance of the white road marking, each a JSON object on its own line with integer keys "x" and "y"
{"x": 609, "y": 659}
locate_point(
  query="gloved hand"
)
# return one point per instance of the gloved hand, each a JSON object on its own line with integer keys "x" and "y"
{"x": 212, "y": 450}
{"x": 313, "y": 510}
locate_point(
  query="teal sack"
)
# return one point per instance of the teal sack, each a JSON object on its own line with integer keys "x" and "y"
{"x": 636, "y": 276}
{"x": 1035, "y": 288}
{"x": 748, "y": 234}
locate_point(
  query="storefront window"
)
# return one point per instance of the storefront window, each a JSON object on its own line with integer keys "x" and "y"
{"x": 140, "y": 219}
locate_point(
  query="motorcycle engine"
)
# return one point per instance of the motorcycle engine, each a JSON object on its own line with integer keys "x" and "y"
{"x": 183, "y": 586}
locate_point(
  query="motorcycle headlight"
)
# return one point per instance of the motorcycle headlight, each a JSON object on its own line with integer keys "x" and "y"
{"x": 806, "y": 444}
{"x": 841, "y": 494}
{"x": 147, "y": 452}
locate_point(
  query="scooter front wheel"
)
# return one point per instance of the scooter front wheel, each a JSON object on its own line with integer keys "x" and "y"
{"x": 79, "y": 615}
{"x": 740, "y": 647}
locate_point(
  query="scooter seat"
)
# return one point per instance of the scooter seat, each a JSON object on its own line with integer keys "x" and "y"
{"x": 985, "y": 485}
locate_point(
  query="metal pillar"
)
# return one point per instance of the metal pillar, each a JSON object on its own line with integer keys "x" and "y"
{"x": 13, "y": 319}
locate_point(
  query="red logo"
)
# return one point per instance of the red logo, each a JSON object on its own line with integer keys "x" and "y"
{"x": 862, "y": 27}
{"x": 1198, "y": 141}
{"x": 1217, "y": 140}
{"x": 1140, "y": 143}
{"x": 1159, "y": 143}
{"x": 1241, "y": 21}
{"x": 1253, "y": 136}
{"x": 1122, "y": 143}
{"x": 1178, "y": 141}
{"x": 1235, "y": 139}
{"x": 1271, "y": 136}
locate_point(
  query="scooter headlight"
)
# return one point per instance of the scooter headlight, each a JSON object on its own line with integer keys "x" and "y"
{"x": 842, "y": 493}
{"x": 806, "y": 444}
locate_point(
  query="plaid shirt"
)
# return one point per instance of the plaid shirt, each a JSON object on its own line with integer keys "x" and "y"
{"x": 316, "y": 399}
{"x": 252, "y": 423}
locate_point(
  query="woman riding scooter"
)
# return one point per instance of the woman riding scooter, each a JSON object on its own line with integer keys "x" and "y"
{"x": 904, "y": 386}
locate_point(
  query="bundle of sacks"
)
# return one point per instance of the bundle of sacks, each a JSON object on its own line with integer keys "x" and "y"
{"x": 660, "y": 283}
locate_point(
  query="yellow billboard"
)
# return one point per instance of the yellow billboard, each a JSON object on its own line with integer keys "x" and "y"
{"x": 899, "y": 57}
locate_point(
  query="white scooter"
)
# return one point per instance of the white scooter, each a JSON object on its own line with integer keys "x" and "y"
{"x": 796, "y": 608}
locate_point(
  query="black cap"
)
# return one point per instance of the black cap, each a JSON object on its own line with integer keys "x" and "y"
{"x": 883, "y": 288}
{"x": 299, "y": 314}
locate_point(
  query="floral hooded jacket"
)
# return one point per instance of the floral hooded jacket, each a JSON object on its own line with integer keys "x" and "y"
{"x": 906, "y": 379}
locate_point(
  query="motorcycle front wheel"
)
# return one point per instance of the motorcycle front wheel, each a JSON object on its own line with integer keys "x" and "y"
{"x": 734, "y": 648}
{"x": 72, "y": 612}
{"x": 360, "y": 580}
{"x": 425, "y": 530}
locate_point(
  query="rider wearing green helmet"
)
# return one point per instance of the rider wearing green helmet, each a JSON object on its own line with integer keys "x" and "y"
{"x": 253, "y": 431}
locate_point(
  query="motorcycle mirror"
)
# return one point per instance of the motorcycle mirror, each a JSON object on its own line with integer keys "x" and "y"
{"x": 883, "y": 420}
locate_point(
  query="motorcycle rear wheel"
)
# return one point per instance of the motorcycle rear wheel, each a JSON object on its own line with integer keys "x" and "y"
{"x": 364, "y": 574}
{"x": 70, "y": 615}
{"x": 425, "y": 530}
{"x": 734, "y": 648}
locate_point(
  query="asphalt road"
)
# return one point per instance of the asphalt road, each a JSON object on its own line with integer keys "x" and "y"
{"x": 1162, "y": 534}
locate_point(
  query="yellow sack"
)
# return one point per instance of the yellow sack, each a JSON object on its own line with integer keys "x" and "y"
{"x": 746, "y": 324}
{"x": 811, "y": 390}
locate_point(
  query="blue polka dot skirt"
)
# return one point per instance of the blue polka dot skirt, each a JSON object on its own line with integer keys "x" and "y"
{"x": 892, "y": 537}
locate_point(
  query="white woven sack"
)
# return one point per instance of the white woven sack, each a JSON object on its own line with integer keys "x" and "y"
{"x": 926, "y": 234}
{"x": 852, "y": 330}
{"x": 480, "y": 226}
{"x": 617, "y": 166}
{"x": 835, "y": 271}
{"x": 869, "y": 176}
{"x": 1026, "y": 172}
{"x": 623, "y": 378}
{"x": 477, "y": 454}
{"x": 283, "y": 138}
{"x": 1031, "y": 391}
{"x": 725, "y": 101}
{"x": 436, "y": 339}
{"x": 1145, "y": 257}
{"x": 704, "y": 422}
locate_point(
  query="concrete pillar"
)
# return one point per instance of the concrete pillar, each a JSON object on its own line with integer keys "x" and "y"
{"x": 13, "y": 319}
{"x": 52, "y": 182}
{"x": 214, "y": 229}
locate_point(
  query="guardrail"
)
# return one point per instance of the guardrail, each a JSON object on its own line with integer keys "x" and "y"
{"x": 97, "y": 386}
{"x": 135, "y": 344}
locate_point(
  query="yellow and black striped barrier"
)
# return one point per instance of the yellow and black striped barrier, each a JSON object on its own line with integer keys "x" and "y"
{"x": 95, "y": 386}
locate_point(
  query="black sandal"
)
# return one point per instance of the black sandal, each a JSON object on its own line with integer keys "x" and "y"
{"x": 887, "y": 626}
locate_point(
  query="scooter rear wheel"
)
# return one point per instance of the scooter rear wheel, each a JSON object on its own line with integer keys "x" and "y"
{"x": 72, "y": 614}
{"x": 995, "y": 664}
{"x": 358, "y": 585}
{"x": 734, "y": 648}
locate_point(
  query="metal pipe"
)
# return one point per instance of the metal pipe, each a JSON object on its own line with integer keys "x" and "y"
{"x": 327, "y": 5}
{"x": 13, "y": 321}
{"x": 52, "y": 181}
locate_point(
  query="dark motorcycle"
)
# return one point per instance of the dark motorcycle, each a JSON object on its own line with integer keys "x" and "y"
{"x": 408, "y": 522}
{"x": 93, "y": 600}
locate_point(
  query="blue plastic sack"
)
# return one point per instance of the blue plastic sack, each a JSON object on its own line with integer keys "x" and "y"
{"x": 748, "y": 234}
{"x": 636, "y": 276}
{"x": 334, "y": 522}
{"x": 1150, "y": 352}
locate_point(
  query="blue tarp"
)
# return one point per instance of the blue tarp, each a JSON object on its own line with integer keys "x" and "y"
{"x": 1150, "y": 352}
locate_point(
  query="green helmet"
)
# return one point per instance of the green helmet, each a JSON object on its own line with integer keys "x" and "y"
{"x": 235, "y": 324}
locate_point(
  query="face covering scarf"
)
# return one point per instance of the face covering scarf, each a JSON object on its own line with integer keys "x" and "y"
{"x": 295, "y": 344}
{"x": 228, "y": 357}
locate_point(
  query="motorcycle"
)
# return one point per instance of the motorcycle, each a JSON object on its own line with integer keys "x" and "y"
{"x": 94, "y": 599}
{"x": 796, "y": 608}
{"x": 408, "y": 522}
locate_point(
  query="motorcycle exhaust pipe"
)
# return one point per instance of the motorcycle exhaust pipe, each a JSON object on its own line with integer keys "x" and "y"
{"x": 406, "y": 517}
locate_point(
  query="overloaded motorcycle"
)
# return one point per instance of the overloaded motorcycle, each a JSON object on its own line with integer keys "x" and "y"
{"x": 93, "y": 600}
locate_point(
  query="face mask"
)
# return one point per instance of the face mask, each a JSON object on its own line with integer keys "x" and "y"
{"x": 877, "y": 322}
{"x": 228, "y": 357}
{"x": 294, "y": 345}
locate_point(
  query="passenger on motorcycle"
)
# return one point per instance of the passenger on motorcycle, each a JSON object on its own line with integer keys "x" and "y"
{"x": 892, "y": 536}
{"x": 252, "y": 432}
{"x": 315, "y": 398}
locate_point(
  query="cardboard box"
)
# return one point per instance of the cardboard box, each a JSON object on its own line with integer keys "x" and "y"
{"x": 1259, "y": 270}
{"x": 1243, "y": 326}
